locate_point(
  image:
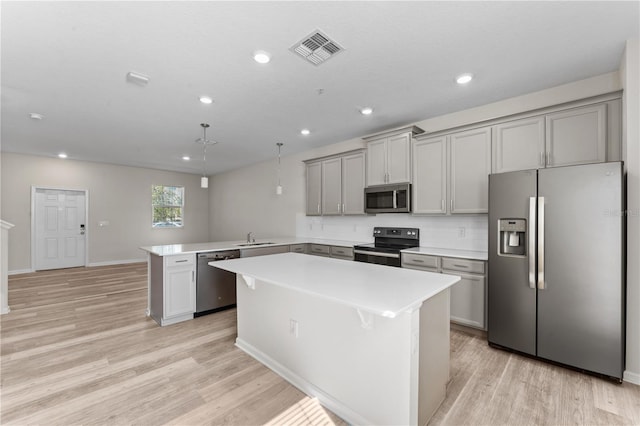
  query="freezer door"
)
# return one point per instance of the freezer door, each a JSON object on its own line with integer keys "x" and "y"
{"x": 580, "y": 302}
{"x": 511, "y": 298}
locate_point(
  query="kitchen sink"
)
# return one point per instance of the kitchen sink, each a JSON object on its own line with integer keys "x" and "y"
{"x": 253, "y": 244}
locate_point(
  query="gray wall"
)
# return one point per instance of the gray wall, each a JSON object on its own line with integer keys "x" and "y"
{"x": 118, "y": 194}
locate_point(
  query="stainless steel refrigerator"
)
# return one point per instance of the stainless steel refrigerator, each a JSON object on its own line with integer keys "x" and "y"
{"x": 556, "y": 265}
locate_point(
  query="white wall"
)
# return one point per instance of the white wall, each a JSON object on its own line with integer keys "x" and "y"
{"x": 630, "y": 76}
{"x": 118, "y": 194}
{"x": 244, "y": 200}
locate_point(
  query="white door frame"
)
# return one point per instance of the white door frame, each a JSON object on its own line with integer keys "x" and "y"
{"x": 34, "y": 188}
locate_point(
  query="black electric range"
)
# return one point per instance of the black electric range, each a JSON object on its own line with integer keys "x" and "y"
{"x": 385, "y": 250}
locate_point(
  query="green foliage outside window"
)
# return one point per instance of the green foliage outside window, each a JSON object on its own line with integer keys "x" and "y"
{"x": 168, "y": 206}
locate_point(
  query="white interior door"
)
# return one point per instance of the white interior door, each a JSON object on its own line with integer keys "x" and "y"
{"x": 59, "y": 228}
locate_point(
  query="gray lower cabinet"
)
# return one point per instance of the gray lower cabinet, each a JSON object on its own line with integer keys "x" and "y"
{"x": 320, "y": 250}
{"x": 339, "y": 252}
{"x": 263, "y": 251}
{"x": 172, "y": 288}
{"x": 298, "y": 248}
{"x": 468, "y": 296}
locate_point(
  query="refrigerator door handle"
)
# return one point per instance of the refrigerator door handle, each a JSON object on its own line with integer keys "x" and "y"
{"x": 541, "y": 283}
{"x": 532, "y": 242}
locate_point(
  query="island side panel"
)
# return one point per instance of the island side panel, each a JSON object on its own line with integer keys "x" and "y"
{"x": 156, "y": 294}
{"x": 365, "y": 372}
{"x": 434, "y": 350}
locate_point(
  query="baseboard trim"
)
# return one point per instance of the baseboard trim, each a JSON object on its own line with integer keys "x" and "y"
{"x": 116, "y": 262}
{"x": 20, "y": 271}
{"x": 631, "y": 377}
{"x": 304, "y": 385}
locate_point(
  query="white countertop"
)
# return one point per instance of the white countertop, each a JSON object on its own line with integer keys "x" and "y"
{"x": 171, "y": 249}
{"x": 378, "y": 289}
{"x": 461, "y": 254}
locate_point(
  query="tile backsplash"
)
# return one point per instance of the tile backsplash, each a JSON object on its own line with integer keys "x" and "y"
{"x": 466, "y": 232}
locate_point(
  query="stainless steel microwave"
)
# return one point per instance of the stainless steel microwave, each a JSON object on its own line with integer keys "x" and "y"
{"x": 388, "y": 198}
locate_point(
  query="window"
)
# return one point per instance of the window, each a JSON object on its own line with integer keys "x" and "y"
{"x": 167, "y": 203}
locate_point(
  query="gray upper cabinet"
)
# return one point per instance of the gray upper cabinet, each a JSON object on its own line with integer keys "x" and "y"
{"x": 470, "y": 154}
{"x": 430, "y": 175}
{"x": 577, "y": 136}
{"x": 389, "y": 156}
{"x": 353, "y": 181}
{"x": 335, "y": 185}
{"x": 314, "y": 184}
{"x": 451, "y": 172}
{"x": 580, "y": 135}
{"x": 332, "y": 186}
{"x": 518, "y": 145}
{"x": 377, "y": 162}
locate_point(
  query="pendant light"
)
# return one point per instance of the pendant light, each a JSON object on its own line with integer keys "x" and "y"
{"x": 279, "y": 187}
{"x": 204, "y": 180}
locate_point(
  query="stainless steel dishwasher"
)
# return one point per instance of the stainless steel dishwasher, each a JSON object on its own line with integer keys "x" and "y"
{"x": 215, "y": 288}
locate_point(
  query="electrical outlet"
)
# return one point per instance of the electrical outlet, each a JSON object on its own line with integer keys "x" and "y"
{"x": 461, "y": 232}
{"x": 293, "y": 328}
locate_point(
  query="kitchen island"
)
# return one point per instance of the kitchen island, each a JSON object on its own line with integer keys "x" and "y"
{"x": 371, "y": 342}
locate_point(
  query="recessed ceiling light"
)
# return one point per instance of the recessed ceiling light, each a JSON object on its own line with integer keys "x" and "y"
{"x": 206, "y": 100}
{"x": 366, "y": 111}
{"x": 62, "y": 155}
{"x": 186, "y": 158}
{"x": 36, "y": 116}
{"x": 464, "y": 78}
{"x": 305, "y": 131}
{"x": 137, "y": 78}
{"x": 261, "y": 57}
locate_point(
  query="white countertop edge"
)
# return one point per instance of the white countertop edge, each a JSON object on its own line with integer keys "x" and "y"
{"x": 173, "y": 249}
{"x": 442, "y": 252}
{"x": 387, "y": 314}
{"x": 408, "y": 307}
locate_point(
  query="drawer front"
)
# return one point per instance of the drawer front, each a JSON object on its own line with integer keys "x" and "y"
{"x": 180, "y": 259}
{"x": 297, "y": 248}
{"x": 463, "y": 265}
{"x": 320, "y": 249}
{"x": 421, "y": 261}
{"x": 346, "y": 252}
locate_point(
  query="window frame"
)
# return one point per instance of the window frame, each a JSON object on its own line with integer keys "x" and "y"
{"x": 168, "y": 224}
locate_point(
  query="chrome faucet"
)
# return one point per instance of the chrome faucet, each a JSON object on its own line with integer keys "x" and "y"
{"x": 249, "y": 237}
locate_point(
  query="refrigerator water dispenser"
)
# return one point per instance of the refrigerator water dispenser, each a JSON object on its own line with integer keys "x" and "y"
{"x": 512, "y": 235}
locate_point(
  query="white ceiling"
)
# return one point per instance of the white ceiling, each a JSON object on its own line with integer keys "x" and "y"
{"x": 69, "y": 60}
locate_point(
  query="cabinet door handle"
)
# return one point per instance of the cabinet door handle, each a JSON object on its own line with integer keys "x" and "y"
{"x": 342, "y": 208}
{"x": 318, "y": 208}
{"x": 548, "y": 158}
{"x": 442, "y": 205}
{"x": 451, "y": 206}
{"x": 460, "y": 266}
{"x": 542, "y": 159}
{"x": 182, "y": 261}
{"x": 418, "y": 260}
{"x": 338, "y": 207}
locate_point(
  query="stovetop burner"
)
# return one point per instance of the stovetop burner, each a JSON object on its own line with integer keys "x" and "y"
{"x": 387, "y": 244}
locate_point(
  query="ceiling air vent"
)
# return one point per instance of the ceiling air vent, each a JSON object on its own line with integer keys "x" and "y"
{"x": 316, "y": 48}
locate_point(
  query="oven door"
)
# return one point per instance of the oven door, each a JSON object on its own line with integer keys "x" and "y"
{"x": 380, "y": 258}
{"x": 388, "y": 199}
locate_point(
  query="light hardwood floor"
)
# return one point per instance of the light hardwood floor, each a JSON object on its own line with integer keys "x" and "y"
{"x": 77, "y": 348}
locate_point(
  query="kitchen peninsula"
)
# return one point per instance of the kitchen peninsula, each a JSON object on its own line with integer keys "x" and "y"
{"x": 369, "y": 341}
